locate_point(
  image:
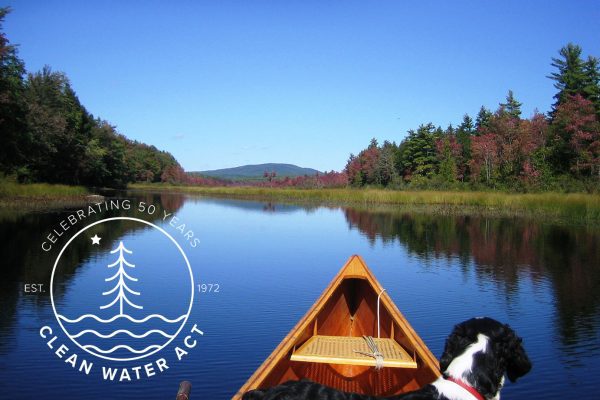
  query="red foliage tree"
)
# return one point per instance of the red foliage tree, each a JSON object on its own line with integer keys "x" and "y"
{"x": 576, "y": 117}
{"x": 269, "y": 175}
{"x": 533, "y": 137}
{"x": 362, "y": 169}
{"x": 176, "y": 175}
{"x": 486, "y": 156}
{"x": 173, "y": 174}
{"x": 505, "y": 127}
{"x": 533, "y": 133}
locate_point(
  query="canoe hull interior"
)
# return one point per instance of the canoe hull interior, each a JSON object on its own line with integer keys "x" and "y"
{"x": 348, "y": 307}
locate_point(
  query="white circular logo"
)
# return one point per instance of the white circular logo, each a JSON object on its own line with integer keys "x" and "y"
{"x": 122, "y": 288}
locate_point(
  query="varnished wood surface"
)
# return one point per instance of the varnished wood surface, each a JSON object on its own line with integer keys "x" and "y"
{"x": 347, "y": 307}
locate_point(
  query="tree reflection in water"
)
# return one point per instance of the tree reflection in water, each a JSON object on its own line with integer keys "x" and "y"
{"x": 505, "y": 250}
{"x": 24, "y": 261}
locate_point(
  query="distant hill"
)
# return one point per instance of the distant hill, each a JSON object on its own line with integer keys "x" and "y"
{"x": 253, "y": 172}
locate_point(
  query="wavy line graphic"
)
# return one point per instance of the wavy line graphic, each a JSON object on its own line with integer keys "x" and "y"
{"x": 113, "y": 334}
{"x": 136, "y": 321}
{"x": 120, "y": 346}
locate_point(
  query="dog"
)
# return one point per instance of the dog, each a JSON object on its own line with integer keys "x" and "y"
{"x": 477, "y": 355}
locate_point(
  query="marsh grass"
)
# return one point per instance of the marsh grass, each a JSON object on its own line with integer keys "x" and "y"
{"x": 574, "y": 207}
{"x": 39, "y": 195}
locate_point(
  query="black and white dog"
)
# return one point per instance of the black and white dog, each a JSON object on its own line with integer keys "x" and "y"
{"x": 477, "y": 355}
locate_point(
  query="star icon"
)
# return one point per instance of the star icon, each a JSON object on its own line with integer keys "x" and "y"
{"x": 96, "y": 239}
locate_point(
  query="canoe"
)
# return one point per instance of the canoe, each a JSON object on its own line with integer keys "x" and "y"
{"x": 329, "y": 344}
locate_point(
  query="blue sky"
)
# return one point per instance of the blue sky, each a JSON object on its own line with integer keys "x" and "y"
{"x": 226, "y": 83}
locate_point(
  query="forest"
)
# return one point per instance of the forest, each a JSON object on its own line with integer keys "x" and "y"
{"x": 47, "y": 135}
{"x": 501, "y": 149}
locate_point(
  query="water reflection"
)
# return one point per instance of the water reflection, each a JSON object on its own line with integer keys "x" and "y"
{"x": 268, "y": 256}
{"x": 24, "y": 260}
{"x": 499, "y": 250}
{"x": 505, "y": 250}
{"x": 259, "y": 206}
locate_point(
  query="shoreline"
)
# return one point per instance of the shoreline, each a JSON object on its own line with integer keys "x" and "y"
{"x": 579, "y": 208}
{"x": 571, "y": 208}
{"x": 50, "y": 202}
{"x": 42, "y": 196}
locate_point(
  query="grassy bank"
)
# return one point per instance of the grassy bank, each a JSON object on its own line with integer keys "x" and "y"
{"x": 40, "y": 195}
{"x": 577, "y": 207}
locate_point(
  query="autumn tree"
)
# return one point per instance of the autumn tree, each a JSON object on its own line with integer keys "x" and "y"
{"x": 363, "y": 169}
{"x": 173, "y": 174}
{"x": 577, "y": 135}
{"x": 534, "y": 150}
{"x": 352, "y": 169}
{"x": 269, "y": 175}
{"x": 502, "y": 149}
{"x": 485, "y": 158}
{"x": 506, "y": 131}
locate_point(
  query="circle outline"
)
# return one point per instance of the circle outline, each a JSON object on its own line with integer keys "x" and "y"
{"x": 180, "y": 250}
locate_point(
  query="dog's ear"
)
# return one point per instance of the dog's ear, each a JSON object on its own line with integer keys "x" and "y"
{"x": 456, "y": 343}
{"x": 517, "y": 361}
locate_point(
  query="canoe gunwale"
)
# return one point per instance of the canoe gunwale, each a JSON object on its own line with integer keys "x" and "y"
{"x": 354, "y": 268}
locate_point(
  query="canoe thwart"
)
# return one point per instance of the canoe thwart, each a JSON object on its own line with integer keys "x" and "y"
{"x": 350, "y": 350}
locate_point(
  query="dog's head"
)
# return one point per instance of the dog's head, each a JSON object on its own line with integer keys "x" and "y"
{"x": 481, "y": 351}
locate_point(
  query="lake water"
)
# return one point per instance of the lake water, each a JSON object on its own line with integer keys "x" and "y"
{"x": 270, "y": 262}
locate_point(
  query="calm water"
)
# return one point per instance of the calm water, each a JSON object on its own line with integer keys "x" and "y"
{"x": 271, "y": 262}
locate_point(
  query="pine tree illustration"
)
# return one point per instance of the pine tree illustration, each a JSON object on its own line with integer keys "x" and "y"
{"x": 121, "y": 286}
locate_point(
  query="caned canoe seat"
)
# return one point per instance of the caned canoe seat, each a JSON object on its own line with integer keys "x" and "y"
{"x": 352, "y": 351}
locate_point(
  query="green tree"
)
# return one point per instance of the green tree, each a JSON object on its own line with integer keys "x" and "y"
{"x": 448, "y": 151}
{"x": 418, "y": 154}
{"x": 482, "y": 120}
{"x": 94, "y": 170}
{"x": 13, "y": 141}
{"x": 464, "y": 132}
{"x": 48, "y": 135}
{"x": 570, "y": 79}
{"x": 466, "y": 125}
{"x": 512, "y": 107}
{"x": 58, "y": 125}
{"x": 385, "y": 170}
{"x": 114, "y": 158}
{"x": 591, "y": 89}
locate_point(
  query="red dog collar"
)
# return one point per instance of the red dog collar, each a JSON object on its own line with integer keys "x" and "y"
{"x": 465, "y": 386}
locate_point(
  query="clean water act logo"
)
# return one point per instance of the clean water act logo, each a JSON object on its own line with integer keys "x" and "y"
{"x": 121, "y": 323}
{"x": 121, "y": 290}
